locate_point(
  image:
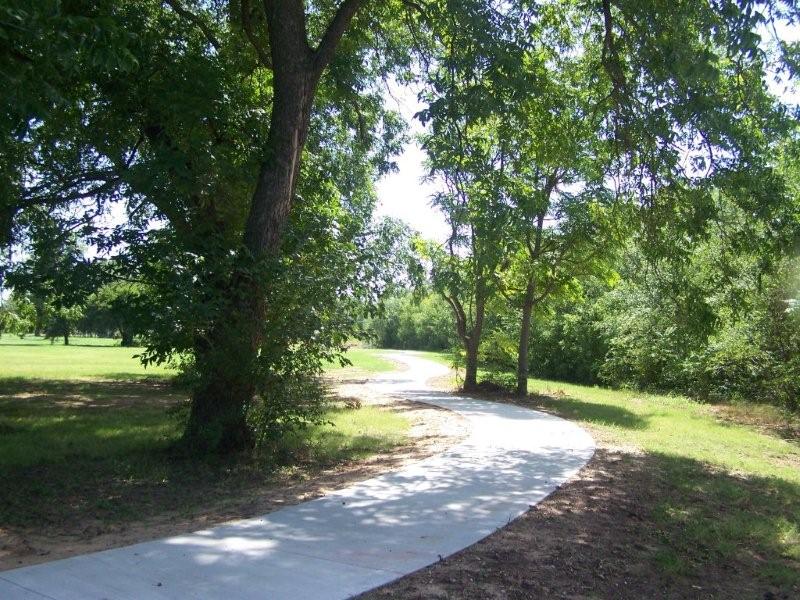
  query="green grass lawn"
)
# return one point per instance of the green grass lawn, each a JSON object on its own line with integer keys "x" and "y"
{"x": 103, "y": 358}
{"x": 364, "y": 361}
{"x": 733, "y": 487}
{"x": 86, "y": 432}
{"x": 84, "y": 358}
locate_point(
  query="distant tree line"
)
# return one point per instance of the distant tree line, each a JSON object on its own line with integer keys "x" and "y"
{"x": 115, "y": 310}
{"x": 717, "y": 328}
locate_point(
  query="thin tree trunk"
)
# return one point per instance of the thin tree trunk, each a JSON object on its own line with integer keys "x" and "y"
{"x": 524, "y": 340}
{"x": 473, "y": 342}
{"x": 38, "y": 320}
{"x": 528, "y": 301}
{"x": 470, "y": 338}
{"x": 471, "y": 366}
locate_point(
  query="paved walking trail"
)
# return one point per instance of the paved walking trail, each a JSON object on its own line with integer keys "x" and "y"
{"x": 351, "y": 540}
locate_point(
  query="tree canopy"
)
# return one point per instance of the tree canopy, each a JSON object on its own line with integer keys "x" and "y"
{"x": 221, "y": 155}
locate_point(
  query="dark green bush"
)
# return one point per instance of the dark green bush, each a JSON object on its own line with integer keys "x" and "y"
{"x": 409, "y": 324}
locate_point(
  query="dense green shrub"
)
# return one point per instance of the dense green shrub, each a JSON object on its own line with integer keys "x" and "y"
{"x": 568, "y": 344}
{"x": 408, "y": 323}
{"x": 288, "y": 404}
{"x": 644, "y": 335}
{"x": 756, "y": 359}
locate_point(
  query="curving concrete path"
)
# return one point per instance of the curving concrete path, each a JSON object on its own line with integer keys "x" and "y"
{"x": 351, "y": 540}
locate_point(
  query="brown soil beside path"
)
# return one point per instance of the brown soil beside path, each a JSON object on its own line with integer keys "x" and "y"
{"x": 592, "y": 538}
{"x": 432, "y": 431}
{"x": 597, "y": 537}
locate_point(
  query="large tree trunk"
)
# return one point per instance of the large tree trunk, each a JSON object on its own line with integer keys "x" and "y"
{"x": 524, "y": 341}
{"x": 126, "y": 338}
{"x": 226, "y": 360}
{"x": 218, "y": 416}
{"x": 219, "y": 405}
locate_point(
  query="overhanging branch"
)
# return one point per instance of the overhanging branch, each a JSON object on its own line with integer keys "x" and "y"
{"x": 195, "y": 20}
{"x": 336, "y": 28}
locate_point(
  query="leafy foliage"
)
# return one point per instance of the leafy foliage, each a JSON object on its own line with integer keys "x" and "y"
{"x": 406, "y": 322}
{"x": 220, "y": 158}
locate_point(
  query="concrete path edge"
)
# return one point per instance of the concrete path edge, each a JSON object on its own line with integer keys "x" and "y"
{"x": 351, "y": 540}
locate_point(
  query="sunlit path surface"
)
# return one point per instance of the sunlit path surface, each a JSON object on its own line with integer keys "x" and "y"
{"x": 352, "y": 540}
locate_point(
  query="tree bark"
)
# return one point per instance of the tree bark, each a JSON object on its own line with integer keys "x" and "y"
{"x": 38, "y": 320}
{"x": 472, "y": 342}
{"x": 524, "y": 340}
{"x": 126, "y": 338}
{"x": 471, "y": 366}
{"x": 529, "y": 299}
{"x": 226, "y": 359}
{"x": 217, "y": 420}
{"x": 218, "y": 416}
{"x": 470, "y": 337}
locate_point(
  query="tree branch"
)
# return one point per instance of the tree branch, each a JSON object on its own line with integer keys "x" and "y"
{"x": 252, "y": 35}
{"x": 194, "y": 20}
{"x": 336, "y": 28}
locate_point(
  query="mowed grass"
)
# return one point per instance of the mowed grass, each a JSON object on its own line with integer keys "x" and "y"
{"x": 735, "y": 490}
{"x": 364, "y": 361}
{"x": 731, "y": 475}
{"x": 86, "y": 433}
{"x": 85, "y": 358}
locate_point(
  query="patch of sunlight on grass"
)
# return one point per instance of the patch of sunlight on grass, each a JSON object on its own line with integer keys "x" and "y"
{"x": 364, "y": 360}
{"x": 350, "y": 434}
{"x": 84, "y": 358}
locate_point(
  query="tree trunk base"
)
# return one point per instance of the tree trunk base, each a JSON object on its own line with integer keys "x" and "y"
{"x": 218, "y": 420}
{"x": 210, "y": 439}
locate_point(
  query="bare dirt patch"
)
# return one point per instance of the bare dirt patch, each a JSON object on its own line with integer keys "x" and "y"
{"x": 604, "y": 535}
{"x": 595, "y": 537}
{"x": 230, "y": 494}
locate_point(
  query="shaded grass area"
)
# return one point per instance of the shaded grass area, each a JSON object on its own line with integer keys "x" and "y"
{"x": 730, "y": 485}
{"x": 63, "y": 462}
{"x": 86, "y": 438}
{"x": 732, "y": 492}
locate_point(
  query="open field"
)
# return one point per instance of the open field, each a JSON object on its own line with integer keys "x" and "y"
{"x": 103, "y": 358}
{"x": 364, "y": 362}
{"x": 85, "y": 358}
{"x": 86, "y": 435}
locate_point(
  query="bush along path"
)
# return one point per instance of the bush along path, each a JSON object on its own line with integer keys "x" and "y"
{"x": 356, "y": 538}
